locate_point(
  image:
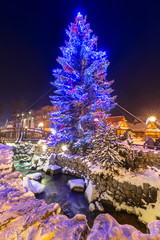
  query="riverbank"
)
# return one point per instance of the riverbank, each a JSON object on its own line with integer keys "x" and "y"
{"x": 73, "y": 203}
{"x": 25, "y": 217}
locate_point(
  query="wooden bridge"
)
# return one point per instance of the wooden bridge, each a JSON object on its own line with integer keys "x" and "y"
{"x": 23, "y": 134}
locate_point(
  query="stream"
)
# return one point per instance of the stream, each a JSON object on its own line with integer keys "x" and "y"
{"x": 73, "y": 203}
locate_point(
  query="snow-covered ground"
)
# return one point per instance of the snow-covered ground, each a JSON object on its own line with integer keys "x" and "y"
{"x": 138, "y": 141}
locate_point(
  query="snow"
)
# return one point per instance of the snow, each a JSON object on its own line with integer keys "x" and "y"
{"x": 76, "y": 185}
{"x": 34, "y": 176}
{"x": 33, "y": 185}
{"x": 91, "y": 192}
{"x": 55, "y": 169}
{"x": 92, "y": 207}
{"x": 68, "y": 170}
{"x": 149, "y": 175}
{"x": 99, "y": 206}
{"x": 138, "y": 141}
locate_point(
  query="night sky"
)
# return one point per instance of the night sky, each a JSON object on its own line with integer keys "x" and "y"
{"x": 31, "y": 33}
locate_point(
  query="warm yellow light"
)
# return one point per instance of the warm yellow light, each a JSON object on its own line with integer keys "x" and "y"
{"x": 64, "y": 148}
{"x": 44, "y": 147}
{"x": 151, "y": 119}
{"x": 40, "y": 125}
{"x": 96, "y": 119}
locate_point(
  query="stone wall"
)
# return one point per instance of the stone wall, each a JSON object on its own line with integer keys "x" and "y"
{"x": 147, "y": 157}
{"x": 134, "y": 192}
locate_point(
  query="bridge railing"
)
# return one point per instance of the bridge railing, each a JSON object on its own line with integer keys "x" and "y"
{"x": 26, "y": 133}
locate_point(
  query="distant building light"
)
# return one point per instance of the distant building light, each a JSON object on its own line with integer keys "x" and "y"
{"x": 22, "y": 114}
{"x": 40, "y": 125}
{"x": 29, "y": 112}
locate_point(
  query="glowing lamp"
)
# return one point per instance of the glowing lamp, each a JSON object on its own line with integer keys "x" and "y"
{"x": 151, "y": 119}
{"x": 64, "y": 148}
{"x": 53, "y": 131}
{"x": 40, "y": 125}
{"x": 96, "y": 120}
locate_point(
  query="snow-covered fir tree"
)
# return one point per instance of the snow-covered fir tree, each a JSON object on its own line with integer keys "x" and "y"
{"x": 110, "y": 151}
{"x": 82, "y": 92}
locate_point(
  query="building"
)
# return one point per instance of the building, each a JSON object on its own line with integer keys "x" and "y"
{"x": 138, "y": 129}
{"x": 119, "y": 123}
{"x": 143, "y": 130}
{"x": 35, "y": 118}
{"x": 152, "y": 129}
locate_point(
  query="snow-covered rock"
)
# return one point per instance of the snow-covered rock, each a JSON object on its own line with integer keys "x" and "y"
{"x": 46, "y": 167}
{"x": 40, "y": 168}
{"x": 99, "y": 206}
{"x": 35, "y": 159}
{"x": 76, "y": 185}
{"x": 33, "y": 185}
{"x": 35, "y": 176}
{"x": 55, "y": 169}
{"x": 52, "y": 159}
{"x": 106, "y": 227}
{"x": 91, "y": 192}
{"x": 34, "y": 166}
{"x": 92, "y": 207}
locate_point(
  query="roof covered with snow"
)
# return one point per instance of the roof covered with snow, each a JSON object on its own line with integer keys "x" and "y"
{"x": 137, "y": 127}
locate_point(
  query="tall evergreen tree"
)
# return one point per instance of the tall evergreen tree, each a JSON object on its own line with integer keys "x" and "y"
{"x": 82, "y": 92}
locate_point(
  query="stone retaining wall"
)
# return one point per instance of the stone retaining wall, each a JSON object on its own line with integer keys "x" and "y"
{"x": 147, "y": 157}
{"x": 133, "y": 192}
{"x": 137, "y": 193}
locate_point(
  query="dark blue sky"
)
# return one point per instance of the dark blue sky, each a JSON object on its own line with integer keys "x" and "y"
{"x": 31, "y": 33}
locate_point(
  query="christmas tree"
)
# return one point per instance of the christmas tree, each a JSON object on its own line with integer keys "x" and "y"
{"x": 82, "y": 92}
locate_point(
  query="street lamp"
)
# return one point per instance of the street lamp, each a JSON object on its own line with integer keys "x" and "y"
{"x": 40, "y": 125}
{"x": 151, "y": 119}
{"x": 64, "y": 148}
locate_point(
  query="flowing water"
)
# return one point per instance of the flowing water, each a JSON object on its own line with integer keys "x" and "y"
{"x": 73, "y": 203}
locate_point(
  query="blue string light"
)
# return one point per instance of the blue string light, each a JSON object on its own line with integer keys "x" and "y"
{"x": 82, "y": 91}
